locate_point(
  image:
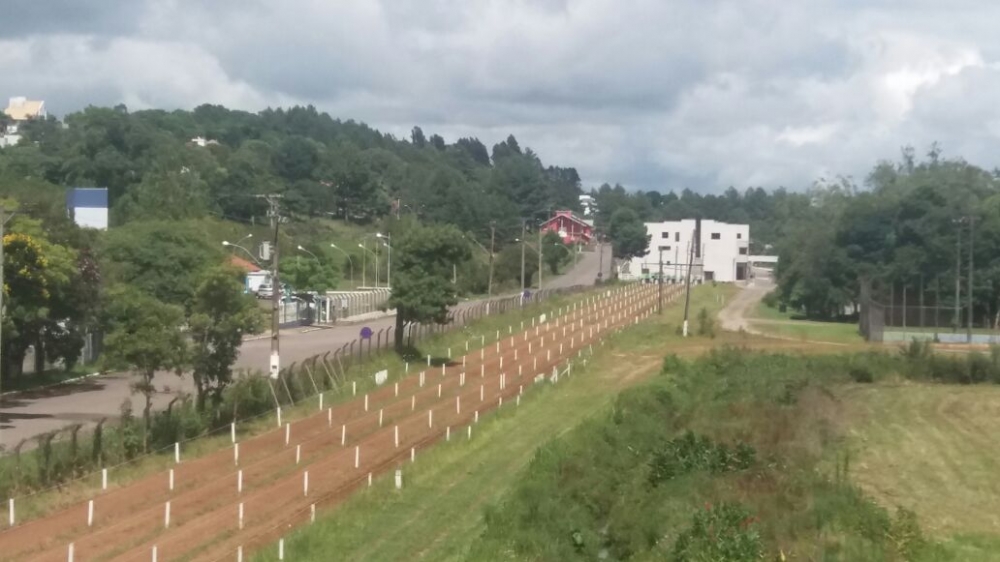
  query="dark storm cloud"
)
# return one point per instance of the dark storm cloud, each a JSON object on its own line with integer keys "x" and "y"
{"x": 21, "y": 18}
{"x": 654, "y": 94}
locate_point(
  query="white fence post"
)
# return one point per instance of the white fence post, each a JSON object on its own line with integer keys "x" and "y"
{"x": 90, "y": 513}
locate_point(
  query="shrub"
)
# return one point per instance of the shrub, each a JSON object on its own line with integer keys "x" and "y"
{"x": 724, "y": 533}
{"x": 861, "y": 373}
{"x": 706, "y": 323}
{"x": 690, "y": 453}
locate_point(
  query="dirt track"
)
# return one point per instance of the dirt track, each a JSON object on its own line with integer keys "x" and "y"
{"x": 204, "y": 503}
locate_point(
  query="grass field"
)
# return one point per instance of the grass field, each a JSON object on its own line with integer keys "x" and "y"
{"x": 438, "y": 514}
{"x": 787, "y": 324}
{"x": 932, "y": 449}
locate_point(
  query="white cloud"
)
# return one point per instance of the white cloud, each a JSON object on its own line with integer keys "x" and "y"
{"x": 654, "y": 94}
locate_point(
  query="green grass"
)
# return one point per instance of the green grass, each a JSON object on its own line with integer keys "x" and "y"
{"x": 932, "y": 449}
{"x": 439, "y": 513}
{"x": 788, "y": 324}
{"x": 28, "y": 381}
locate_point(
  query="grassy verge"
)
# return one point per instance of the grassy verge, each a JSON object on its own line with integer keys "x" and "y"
{"x": 770, "y": 320}
{"x": 929, "y": 448}
{"x": 438, "y": 514}
{"x": 29, "y": 381}
{"x": 64, "y": 473}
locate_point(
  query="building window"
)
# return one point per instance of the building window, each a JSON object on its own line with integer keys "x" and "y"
{"x": 716, "y": 236}
{"x": 677, "y": 237}
{"x": 664, "y": 235}
{"x": 743, "y": 251}
{"x": 739, "y": 236}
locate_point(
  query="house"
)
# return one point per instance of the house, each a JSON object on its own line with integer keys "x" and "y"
{"x": 18, "y": 111}
{"x": 588, "y": 205}
{"x": 88, "y": 207}
{"x": 202, "y": 142}
{"x": 570, "y": 227}
{"x": 718, "y": 251}
{"x": 253, "y": 276}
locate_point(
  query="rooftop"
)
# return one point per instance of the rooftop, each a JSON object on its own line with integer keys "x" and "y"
{"x": 22, "y": 109}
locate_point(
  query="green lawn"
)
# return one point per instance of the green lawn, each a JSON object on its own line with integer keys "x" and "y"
{"x": 770, "y": 320}
{"x": 28, "y": 381}
{"x": 931, "y": 448}
{"x": 439, "y": 513}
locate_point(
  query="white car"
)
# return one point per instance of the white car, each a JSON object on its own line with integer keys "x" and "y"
{"x": 265, "y": 291}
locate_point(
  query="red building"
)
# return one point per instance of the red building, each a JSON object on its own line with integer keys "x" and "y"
{"x": 570, "y": 227}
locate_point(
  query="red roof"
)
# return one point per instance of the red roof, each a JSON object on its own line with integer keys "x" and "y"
{"x": 569, "y": 215}
{"x": 243, "y": 264}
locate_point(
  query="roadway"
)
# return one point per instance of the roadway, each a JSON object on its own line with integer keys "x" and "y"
{"x": 32, "y": 413}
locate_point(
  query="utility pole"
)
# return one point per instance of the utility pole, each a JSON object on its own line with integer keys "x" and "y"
{"x": 524, "y": 242}
{"x": 3, "y": 223}
{"x": 659, "y": 290}
{"x": 972, "y": 223}
{"x": 687, "y": 293}
{"x": 539, "y": 257}
{"x": 600, "y": 256}
{"x": 493, "y": 235}
{"x": 274, "y": 212}
{"x": 958, "y": 281}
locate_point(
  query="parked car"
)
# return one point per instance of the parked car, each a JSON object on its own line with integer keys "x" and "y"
{"x": 265, "y": 291}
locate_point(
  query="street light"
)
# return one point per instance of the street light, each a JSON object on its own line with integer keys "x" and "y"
{"x": 301, "y": 249}
{"x": 364, "y": 265}
{"x": 248, "y": 252}
{"x": 388, "y": 238}
{"x": 349, "y": 260}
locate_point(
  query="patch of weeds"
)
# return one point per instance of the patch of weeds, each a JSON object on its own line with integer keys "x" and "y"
{"x": 724, "y": 533}
{"x": 689, "y": 453}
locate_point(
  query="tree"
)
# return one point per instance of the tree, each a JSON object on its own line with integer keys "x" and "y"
{"x": 508, "y": 265}
{"x": 628, "y": 234}
{"x": 221, "y": 316}
{"x": 305, "y": 273}
{"x": 417, "y": 137}
{"x": 163, "y": 259}
{"x": 554, "y": 250}
{"x": 143, "y": 336}
{"x": 27, "y": 296}
{"x": 422, "y": 289}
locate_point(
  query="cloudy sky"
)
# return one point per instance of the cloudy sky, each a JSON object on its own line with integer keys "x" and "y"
{"x": 655, "y": 94}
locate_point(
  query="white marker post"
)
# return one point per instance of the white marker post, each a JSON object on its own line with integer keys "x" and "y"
{"x": 380, "y": 415}
{"x": 298, "y": 454}
{"x": 366, "y": 402}
{"x": 312, "y": 513}
{"x": 399, "y": 479}
{"x": 396, "y": 431}
{"x": 288, "y": 433}
{"x": 166, "y": 515}
{"x": 90, "y": 513}
{"x": 239, "y": 516}
{"x": 357, "y": 456}
{"x": 458, "y": 410}
{"x": 430, "y": 418}
{"x": 104, "y": 479}
{"x": 279, "y": 416}
{"x": 320, "y": 401}
{"x": 305, "y": 483}
{"x": 69, "y": 553}
{"x": 281, "y": 549}
{"x": 177, "y": 453}
{"x": 239, "y": 481}
{"x": 413, "y": 454}
{"x": 171, "y": 480}
{"x": 232, "y": 432}
{"x": 343, "y": 435}
{"x": 154, "y": 553}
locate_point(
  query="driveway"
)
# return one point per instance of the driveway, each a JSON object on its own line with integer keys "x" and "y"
{"x": 33, "y": 413}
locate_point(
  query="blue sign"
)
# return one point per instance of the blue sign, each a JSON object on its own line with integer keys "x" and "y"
{"x": 366, "y": 333}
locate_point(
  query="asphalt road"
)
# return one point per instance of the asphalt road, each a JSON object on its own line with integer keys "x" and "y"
{"x": 28, "y": 414}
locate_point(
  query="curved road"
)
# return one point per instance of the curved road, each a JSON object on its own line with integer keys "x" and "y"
{"x": 87, "y": 401}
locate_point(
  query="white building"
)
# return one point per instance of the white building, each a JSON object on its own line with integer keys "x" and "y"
{"x": 588, "y": 205}
{"x": 720, "y": 252}
{"x": 19, "y": 110}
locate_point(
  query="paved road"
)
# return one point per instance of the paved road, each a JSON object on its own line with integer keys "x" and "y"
{"x": 33, "y": 413}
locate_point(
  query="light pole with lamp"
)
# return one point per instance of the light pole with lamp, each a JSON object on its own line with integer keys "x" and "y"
{"x": 388, "y": 244}
{"x": 301, "y": 249}
{"x": 349, "y": 260}
{"x": 365, "y": 265}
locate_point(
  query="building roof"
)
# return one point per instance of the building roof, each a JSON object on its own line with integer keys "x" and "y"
{"x": 21, "y": 109}
{"x": 243, "y": 264}
{"x": 568, "y": 214}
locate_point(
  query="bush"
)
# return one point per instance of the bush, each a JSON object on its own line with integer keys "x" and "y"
{"x": 861, "y": 374}
{"x": 725, "y": 533}
{"x": 706, "y": 323}
{"x": 690, "y": 453}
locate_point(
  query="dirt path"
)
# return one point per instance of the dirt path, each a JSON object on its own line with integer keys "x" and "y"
{"x": 338, "y": 448}
{"x": 734, "y": 317}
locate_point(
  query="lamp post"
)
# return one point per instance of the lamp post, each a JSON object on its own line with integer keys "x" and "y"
{"x": 388, "y": 244}
{"x": 350, "y": 260}
{"x": 301, "y": 249}
{"x": 248, "y": 252}
{"x": 365, "y": 264}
